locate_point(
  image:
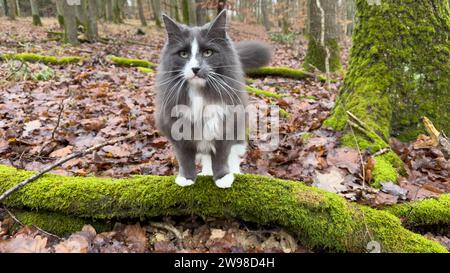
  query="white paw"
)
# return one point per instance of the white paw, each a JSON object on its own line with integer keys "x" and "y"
{"x": 225, "y": 182}
{"x": 183, "y": 182}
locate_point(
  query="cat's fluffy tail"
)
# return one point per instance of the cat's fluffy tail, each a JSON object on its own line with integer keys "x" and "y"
{"x": 253, "y": 54}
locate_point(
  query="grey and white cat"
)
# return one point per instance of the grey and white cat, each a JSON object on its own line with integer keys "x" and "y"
{"x": 201, "y": 70}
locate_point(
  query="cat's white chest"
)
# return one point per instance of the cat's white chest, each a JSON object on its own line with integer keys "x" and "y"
{"x": 209, "y": 117}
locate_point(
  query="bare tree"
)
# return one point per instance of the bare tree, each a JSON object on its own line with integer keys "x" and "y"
{"x": 12, "y": 9}
{"x": 141, "y": 13}
{"x": 323, "y": 48}
{"x": 200, "y": 12}
{"x": 70, "y": 23}
{"x": 265, "y": 15}
{"x": 91, "y": 24}
{"x": 35, "y": 13}
{"x": 156, "y": 7}
{"x": 221, "y": 4}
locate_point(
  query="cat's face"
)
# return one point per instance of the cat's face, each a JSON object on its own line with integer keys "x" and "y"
{"x": 198, "y": 54}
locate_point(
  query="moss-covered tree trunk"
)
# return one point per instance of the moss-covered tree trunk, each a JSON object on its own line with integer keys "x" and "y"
{"x": 399, "y": 72}
{"x": 35, "y": 13}
{"x": 323, "y": 30}
{"x": 185, "y": 6}
{"x": 319, "y": 219}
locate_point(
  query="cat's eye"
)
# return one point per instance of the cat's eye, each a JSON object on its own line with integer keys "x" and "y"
{"x": 207, "y": 53}
{"x": 184, "y": 54}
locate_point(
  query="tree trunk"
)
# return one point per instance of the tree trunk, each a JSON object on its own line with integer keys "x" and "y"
{"x": 5, "y": 8}
{"x": 350, "y": 7}
{"x": 60, "y": 13}
{"x": 108, "y": 10}
{"x": 116, "y": 11}
{"x": 399, "y": 72}
{"x": 265, "y": 16}
{"x": 200, "y": 12}
{"x": 70, "y": 23}
{"x": 141, "y": 13}
{"x": 185, "y": 10}
{"x": 19, "y": 14}
{"x": 35, "y": 13}
{"x": 156, "y": 6}
{"x": 91, "y": 24}
{"x": 174, "y": 10}
{"x": 319, "y": 219}
{"x": 12, "y": 9}
{"x": 323, "y": 47}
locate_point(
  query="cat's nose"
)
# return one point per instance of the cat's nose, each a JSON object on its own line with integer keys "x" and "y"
{"x": 195, "y": 70}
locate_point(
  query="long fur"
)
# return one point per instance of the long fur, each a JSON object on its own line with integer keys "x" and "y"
{"x": 253, "y": 54}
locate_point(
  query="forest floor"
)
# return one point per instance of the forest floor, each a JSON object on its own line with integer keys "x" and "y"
{"x": 47, "y": 112}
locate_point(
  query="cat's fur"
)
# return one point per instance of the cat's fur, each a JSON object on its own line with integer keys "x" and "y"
{"x": 200, "y": 67}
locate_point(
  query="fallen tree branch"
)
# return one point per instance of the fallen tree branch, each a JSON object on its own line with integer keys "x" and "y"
{"x": 424, "y": 212}
{"x": 318, "y": 218}
{"x": 61, "y": 161}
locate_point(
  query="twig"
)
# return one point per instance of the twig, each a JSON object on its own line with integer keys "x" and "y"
{"x": 62, "y": 161}
{"x": 381, "y": 152}
{"x": 61, "y": 108}
{"x": 36, "y": 227}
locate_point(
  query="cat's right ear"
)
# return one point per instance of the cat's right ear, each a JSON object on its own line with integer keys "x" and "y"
{"x": 172, "y": 27}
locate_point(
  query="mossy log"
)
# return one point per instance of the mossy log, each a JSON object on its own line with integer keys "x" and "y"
{"x": 318, "y": 218}
{"x": 425, "y": 212}
{"x": 32, "y": 57}
{"x": 131, "y": 62}
{"x": 257, "y": 91}
{"x": 280, "y": 71}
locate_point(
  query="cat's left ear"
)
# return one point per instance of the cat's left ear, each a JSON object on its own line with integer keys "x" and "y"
{"x": 219, "y": 25}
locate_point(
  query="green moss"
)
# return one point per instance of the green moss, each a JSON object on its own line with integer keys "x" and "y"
{"x": 257, "y": 91}
{"x": 59, "y": 224}
{"x": 306, "y": 136}
{"x": 425, "y": 212}
{"x": 37, "y": 20}
{"x": 387, "y": 86}
{"x": 32, "y": 57}
{"x": 316, "y": 55}
{"x": 131, "y": 62}
{"x": 318, "y": 218}
{"x": 383, "y": 171}
{"x": 61, "y": 20}
{"x": 284, "y": 113}
{"x": 145, "y": 70}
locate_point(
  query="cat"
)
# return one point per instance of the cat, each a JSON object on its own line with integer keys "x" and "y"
{"x": 200, "y": 75}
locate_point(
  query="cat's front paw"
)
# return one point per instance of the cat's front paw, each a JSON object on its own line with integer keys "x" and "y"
{"x": 225, "y": 182}
{"x": 183, "y": 182}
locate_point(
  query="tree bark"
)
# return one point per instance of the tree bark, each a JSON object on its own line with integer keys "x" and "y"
{"x": 116, "y": 11}
{"x": 108, "y": 10}
{"x": 12, "y": 9}
{"x": 60, "y": 13}
{"x": 141, "y": 13}
{"x": 156, "y": 6}
{"x": 35, "y": 13}
{"x": 200, "y": 12}
{"x": 265, "y": 15}
{"x": 91, "y": 24}
{"x": 319, "y": 219}
{"x": 388, "y": 88}
{"x": 185, "y": 11}
{"x": 323, "y": 36}
{"x": 70, "y": 23}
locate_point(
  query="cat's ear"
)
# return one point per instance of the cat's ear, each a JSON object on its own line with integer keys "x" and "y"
{"x": 172, "y": 27}
{"x": 219, "y": 25}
